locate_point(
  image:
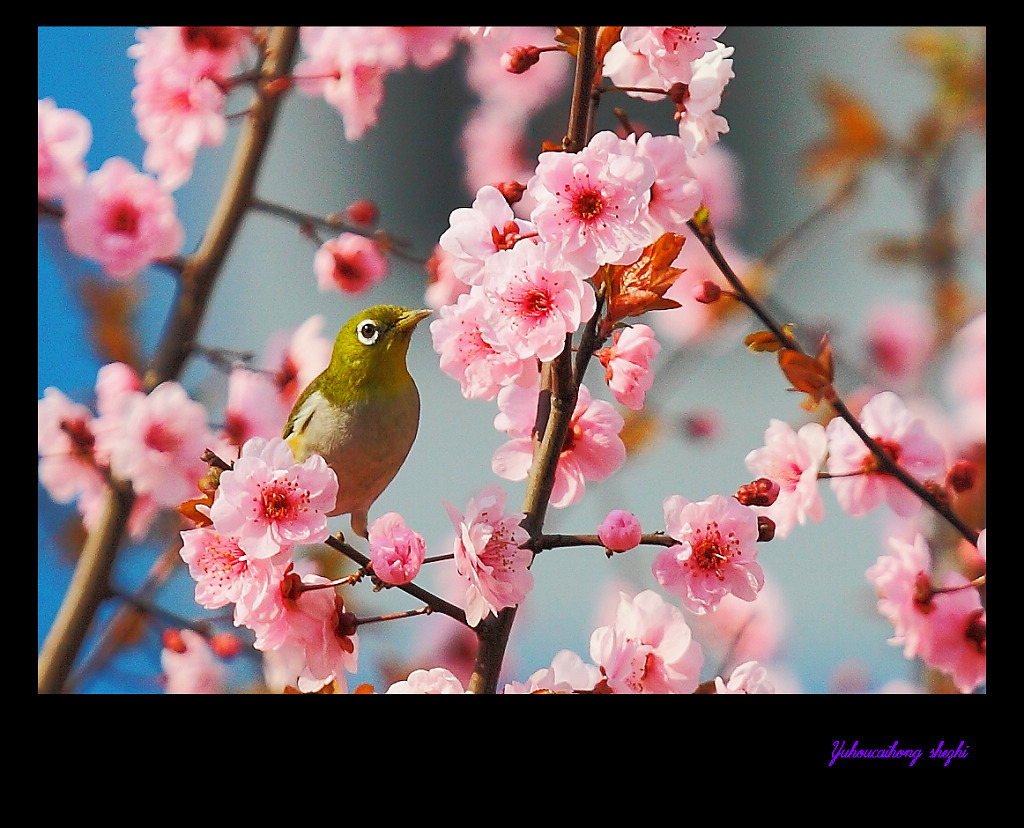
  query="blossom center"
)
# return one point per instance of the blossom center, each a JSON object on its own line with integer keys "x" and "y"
{"x": 160, "y": 438}
{"x": 505, "y": 238}
{"x": 123, "y": 218}
{"x": 535, "y": 302}
{"x": 890, "y": 447}
{"x": 587, "y": 205}
{"x": 277, "y": 503}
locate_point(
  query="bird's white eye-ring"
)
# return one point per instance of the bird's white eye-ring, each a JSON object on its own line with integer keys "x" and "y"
{"x": 367, "y": 332}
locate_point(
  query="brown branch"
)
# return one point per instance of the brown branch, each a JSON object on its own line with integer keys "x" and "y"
{"x": 558, "y": 391}
{"x": 89, "y": 583}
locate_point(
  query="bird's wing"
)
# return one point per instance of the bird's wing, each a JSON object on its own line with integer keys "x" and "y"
{"x": 299, "y": 422}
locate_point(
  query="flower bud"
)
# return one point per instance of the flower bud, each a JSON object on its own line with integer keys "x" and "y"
{"x": 962, "y": 475}
{"x": 765, "y": 529}
{"x": 363, "y": 212}
{"x": 707, "y": 292}
{"x": 620, "y": 530}
{"x": 173, "y": 640}
{"x": 762, "y": 492}
{"x": 519, "y": 58}
{"x": 225, "y": 644}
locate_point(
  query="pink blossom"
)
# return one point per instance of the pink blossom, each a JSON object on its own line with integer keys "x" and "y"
{"x": 476, "y": 233}
{"x": 296, "y": 357}
{"x": 957, "y": 634}
{"x": 179, "y": 104}
{"x": 945, "y": 629}
{"x": 269, "y": 501}
{"x": 627, "y": 364}
{"x": 592, "y": 449}
{"x": 481, "y": 368}
{"x": 648, "y": 649}
{"x": 350, "y": 263}
{"x": 224, "y": 574}
{"x": 745, "y": 630}
{"x": 396, "y": 551}
{"x": 619, "y": 531}
{"x": 194, "y": 669}
{"x": 903, "y": 436}
{"x": 901, "y": 580}
{"x": 718, "y": 173}
{"x": 122, "y": 219}
{"x": 313, "y": 631}
{"x": 533, "y": 301}
{"x": 158, "y": 443}
{"x": 670, "y": 50}
{"x": 64, "y": 138}
{"x": 518, "y": 96}
{"x": 792, "y": 459}
{"x": 347, "y": 66}
{"x": 67, "y": 459}
{"x": 716, "y": 554}
{"x": 492, "y": 143}
{"x": 676, "y": 192}
{"x": 966, "y": 379}
{"x": 900, "y": 337}
{"x": 750, "y": 677}
{"x": 115, "y": 382}
{"x": 592, "y": 205}
{"x": 437, "y": 681}
{"x": 253, "y": 408}
{"x": 568, "y": 673}
{"x": 428, "y": 46}
{"x": 699, "y": 124}
{"x": 213, "y": 51}
{"x": 489, "y": 556}
{"x": 443, "y": 287}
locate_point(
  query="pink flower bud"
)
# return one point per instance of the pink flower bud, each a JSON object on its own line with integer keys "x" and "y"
{"x": 620, "y": 530}
{"x": 707, "y": 292}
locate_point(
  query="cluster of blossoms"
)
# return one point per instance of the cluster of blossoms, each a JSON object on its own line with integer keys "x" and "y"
{"x": 117, "y": 216}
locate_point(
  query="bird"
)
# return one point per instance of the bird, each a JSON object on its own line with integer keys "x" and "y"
{"x": 361, "y": 414}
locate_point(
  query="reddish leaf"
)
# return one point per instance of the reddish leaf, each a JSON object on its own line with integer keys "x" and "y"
{"x": 640, "y": 287}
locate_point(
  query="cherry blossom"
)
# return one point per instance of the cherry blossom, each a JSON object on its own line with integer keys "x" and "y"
{"x": 568, "y": 673}
{"x": 901, "y": 580}
{"x": 619, "y": 531}
{"x": 903, "y": 436}
{"x": 350, "y": 263}
{"x": 396, "y": 551}
{"x": 253, "y": 408}
{"x": 192, "y": 666}
{"x": 716, "y": 554}
{"x": 966, "y": 379}
{"x": 179, "y": 101}
{"x": 476, "y": 233}
{"x": 312, "y": 630}
{"x": 212, "y": 51}
{"x": 627, "y": 364}
{"x": 750, "y": 677}
{"x": 67, "y": 459}
{"x": 699, "y": 124}
{"x": 533, "y": 301}
{"x": 122, "y": 219}
{"x": 592, "y": 204}
{"x": 899, "y": 338}
{"x": 346, "y": 65}
{"x": 488, "y": 554}
{"x": 437, "y": 681}
{"x": 592, "y": 449}
{"x": 158, "y": 443}
{"x": 792, "y": 459}
{"x": 443, "y": 287}
{"x": 481, "y": 369}
{"x": 957, "y": 634}
{"x": 671, "y": 50}
{"x": 648, "y": 649}
{"x": 64, "y": 138}
{"x": 225, "y": 575}
{"x": 428, "y": 46}
{"x": 269, "y": 501}
{"x": 676, "y": 192}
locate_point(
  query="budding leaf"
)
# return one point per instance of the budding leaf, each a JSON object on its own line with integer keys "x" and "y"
{"x": 640, "y": 287}
{"x": 811, "y": 375}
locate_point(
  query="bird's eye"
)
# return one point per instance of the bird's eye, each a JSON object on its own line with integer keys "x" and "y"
{"x": 367, "y": 331}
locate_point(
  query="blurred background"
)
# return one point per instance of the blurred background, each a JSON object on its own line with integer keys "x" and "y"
{"x": 712, "y": 404}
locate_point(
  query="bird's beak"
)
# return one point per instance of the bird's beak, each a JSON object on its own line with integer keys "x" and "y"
{"x": 410, "y": 319}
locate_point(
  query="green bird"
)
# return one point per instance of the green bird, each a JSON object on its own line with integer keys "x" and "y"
{"x": 362, "y": 413}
